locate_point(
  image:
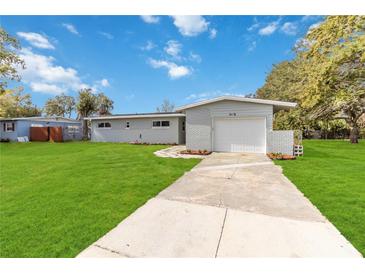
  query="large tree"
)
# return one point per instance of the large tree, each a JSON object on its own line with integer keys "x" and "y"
{"x": 61, "y": 105}
{"x": 105, "y": 104}
{"x": 166, "y": 106}
{"x": 284, "y": 83}
{"x": 326, "y": 78}
{"x": 333, "y": 59}
{"x": 13, "y": 103}
{"x": 9, "y": 59}
{"x": 87, "y": 104}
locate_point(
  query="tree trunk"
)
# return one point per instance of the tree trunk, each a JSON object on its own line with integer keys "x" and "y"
{"x": 85, "y": 130}
{"x": 354, "y": 134}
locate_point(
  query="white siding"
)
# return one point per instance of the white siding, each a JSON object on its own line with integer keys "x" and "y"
{"x": 199, "y": 120}
{"x": 140, "y": 131}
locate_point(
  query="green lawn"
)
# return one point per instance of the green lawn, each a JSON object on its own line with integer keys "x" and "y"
{"x": 332, "y": 175}
{"x": 58, "y": 198}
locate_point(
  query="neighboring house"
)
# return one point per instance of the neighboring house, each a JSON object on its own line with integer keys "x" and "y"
{"x": 12, "y": 128}
{"x": 227, "y": 124}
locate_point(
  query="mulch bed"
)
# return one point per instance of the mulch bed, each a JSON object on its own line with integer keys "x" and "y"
{"x": 280, "y": 156}
{"x": 195, "y": 152}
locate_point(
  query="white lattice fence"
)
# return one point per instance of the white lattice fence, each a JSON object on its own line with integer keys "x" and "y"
{"x": 281, "y": 141}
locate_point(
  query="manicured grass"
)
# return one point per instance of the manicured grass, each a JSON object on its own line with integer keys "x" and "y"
{"x": 332, "y": 175}
{"x": 57, "y": 199}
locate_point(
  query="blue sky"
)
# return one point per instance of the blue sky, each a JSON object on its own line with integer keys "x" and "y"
{"x": 139, "y": 61}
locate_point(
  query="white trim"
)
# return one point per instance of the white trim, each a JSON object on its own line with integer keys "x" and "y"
{"x": 136, "y": 116}
{"x": 239, "y": 99}
{"x": 97, "y": 126}
{"x": 6, "y": 126}
{"x": 161, "y": 127}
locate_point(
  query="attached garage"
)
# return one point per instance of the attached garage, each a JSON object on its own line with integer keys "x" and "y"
{"x": 234, "y": 124}
{"x": 239, "y": 135}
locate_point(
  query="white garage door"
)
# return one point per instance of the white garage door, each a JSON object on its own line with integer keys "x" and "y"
{"x": 240, "y": 135}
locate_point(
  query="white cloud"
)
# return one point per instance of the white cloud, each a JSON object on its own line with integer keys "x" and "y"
{"x": 289, "y": 28}
{"x": 252, "y": 46}
{"x": 35, "y": 39}
{"x": 44, "y": 76}
{"x": 46, "y": 88}
{"x": 195, "y": 57}
{"x": 106, "y": 35}
{"x": 315, "y": 25}
{"x": 253, "y": 27}
{"x": 174, "y": 71}
{"x": 150, "y": 19}
{"x": 104, "y": 83}
{"x": 190, "y": 25}
{"x": 269, "y": 29}
{"x": 173, "y": 48}
{"x": 149, "y": 46}
{"x": 212, "y": 33}
{"x": 71, "y": 28}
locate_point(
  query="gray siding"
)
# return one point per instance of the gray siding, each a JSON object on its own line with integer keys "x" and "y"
{"x": 8, "y": 135}
{"x": 140, "y": 131}
{"x": 199, "y": 120}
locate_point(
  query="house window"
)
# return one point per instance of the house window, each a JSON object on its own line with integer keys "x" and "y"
{"x": 183, "y": 125}
{"x": 160, "y": 124}
{"x": 104, "y": 125}
{"x": 127, "y": 125}
{"x": 156, "y": 123}
{"x": 9, "y": 127}
{"x": 165, "y": 123}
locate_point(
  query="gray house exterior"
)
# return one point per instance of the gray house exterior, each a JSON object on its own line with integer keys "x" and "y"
{"x": 12, "y": 128}
{"x": 226, "y": 124}
{"x": 154, "y": 128}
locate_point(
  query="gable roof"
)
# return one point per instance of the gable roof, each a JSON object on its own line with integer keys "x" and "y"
{"x": 278, "y": 104}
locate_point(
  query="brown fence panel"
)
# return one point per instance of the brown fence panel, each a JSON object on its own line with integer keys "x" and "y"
{"x": 39, "y": 134}
{"x": 55, "y": 134}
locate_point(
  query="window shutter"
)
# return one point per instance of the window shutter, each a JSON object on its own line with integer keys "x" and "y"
{"x": 13, "y": 126}
{"x": 4, "y": 126}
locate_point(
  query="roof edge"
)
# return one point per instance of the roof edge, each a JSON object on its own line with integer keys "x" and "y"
{"x": 132, "y": 116}
{"x": 239, "y": 99}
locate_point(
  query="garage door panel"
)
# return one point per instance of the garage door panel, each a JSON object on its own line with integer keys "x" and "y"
{"x": 240, "y": 135}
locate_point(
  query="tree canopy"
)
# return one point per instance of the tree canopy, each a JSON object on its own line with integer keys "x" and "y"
{"x": 9, "y": 59}
{"x": 326, "y": 77}
{"x": 60, "y": 105}
{"x": 13, "y": 103}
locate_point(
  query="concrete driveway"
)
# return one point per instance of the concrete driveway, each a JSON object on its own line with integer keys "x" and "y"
{"x": 230, "y": 205}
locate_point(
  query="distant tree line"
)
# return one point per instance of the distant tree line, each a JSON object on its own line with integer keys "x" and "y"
{"x": 326, "y": 78}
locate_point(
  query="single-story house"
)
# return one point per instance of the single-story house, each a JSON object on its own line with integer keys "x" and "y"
{"x": 12, "y": 128}
{"x": 223, "y": 124}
